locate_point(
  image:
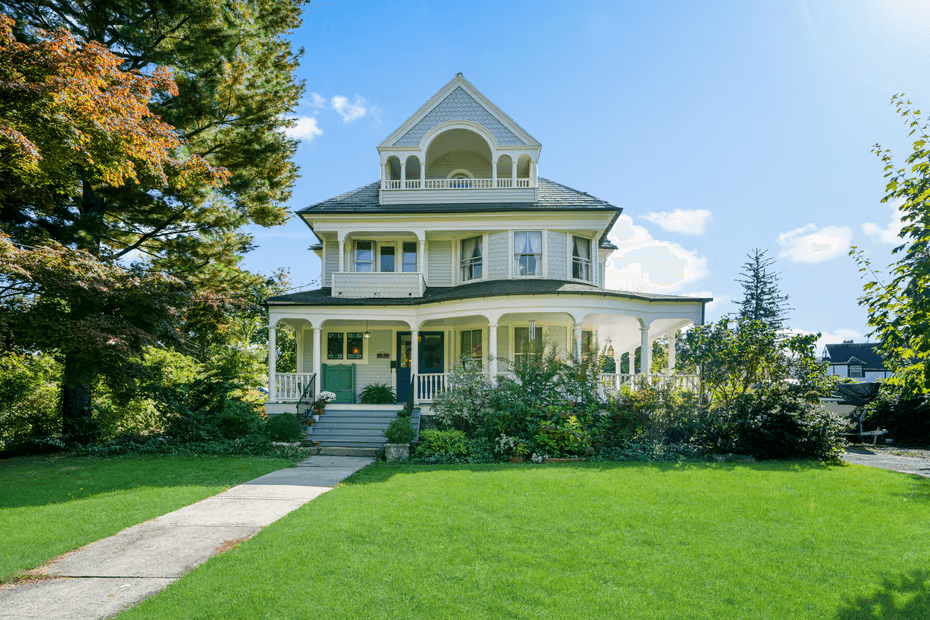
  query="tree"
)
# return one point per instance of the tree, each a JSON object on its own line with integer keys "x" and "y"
{"x": 899, "y": 310}
{"x": 193, "y": 152}
{"x": 762, "y": 299}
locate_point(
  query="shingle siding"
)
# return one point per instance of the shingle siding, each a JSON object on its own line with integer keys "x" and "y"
{"x": 557, "y": 256}
{"x": 497, "y": 256}
{"x": 439, "y": 263}
{"x": 458, "y": 105}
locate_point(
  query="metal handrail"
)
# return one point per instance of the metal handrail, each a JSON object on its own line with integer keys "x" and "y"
{"x": 304, "y": 405}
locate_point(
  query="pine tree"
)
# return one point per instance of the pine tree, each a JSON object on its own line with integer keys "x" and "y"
{"x": 762, "y": 299}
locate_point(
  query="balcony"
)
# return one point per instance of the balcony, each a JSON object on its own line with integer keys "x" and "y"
{"x": 419, "y": 191}
{"x": 368, "y": 285}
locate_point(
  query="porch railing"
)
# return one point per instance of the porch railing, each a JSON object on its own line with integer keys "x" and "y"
{"x": 409, "y": 184}
{"x": 289, "y": 386}
{"x": 427, "y": 386}
{"x": 613, "y": 382}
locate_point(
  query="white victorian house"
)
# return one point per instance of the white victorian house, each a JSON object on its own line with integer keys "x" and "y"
{"x": 459, "y": 250}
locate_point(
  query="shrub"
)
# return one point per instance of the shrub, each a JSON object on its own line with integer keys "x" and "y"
{"x": 442, "y": 443}
{"x": 400, "y": 430}
{"x": 238, "y": 419}
{"x": 568, "y": 437}
{"x": 907, "y": 419}
{"x": 29, "y": 414}
{"x": 283, "y": 427}
{"x": 377, "y": 394}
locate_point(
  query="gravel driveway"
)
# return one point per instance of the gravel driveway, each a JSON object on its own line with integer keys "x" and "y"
{"x": 904, "y": 460}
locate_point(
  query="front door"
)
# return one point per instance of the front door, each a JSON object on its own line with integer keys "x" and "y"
{"x": 431, "y": 354}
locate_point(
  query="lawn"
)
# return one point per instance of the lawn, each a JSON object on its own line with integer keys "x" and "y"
{"x": 50, "y": 505}
{"x": 766, "y": 540}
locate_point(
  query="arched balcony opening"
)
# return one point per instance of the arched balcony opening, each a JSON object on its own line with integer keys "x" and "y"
{"x": 392, "y": 174}
{"x": 524, "y": 171}
{"x": 458, "y": 150}
{"x": 412, "y": 173}
{"x": 505, "y": 171}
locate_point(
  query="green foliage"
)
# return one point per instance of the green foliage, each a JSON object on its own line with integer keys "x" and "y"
{"x": 736, "y": 357}
{"x": 774, "y": 424}
{"x": 906, "y": 417}
{"x": 433, "y": 443}
{"x": 762, "y": 299}
{"x": 377, "y": 394}
{"x": 899, "y": 309}
{"x": 400, "y": 430}
{"x": 28, "y": 402}
{"x": 565, "y": 437}
{"x": 283, "y": 427}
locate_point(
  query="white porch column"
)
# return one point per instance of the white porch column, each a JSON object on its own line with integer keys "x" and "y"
{"x": 414, "y": 361}
{"x": 317, "y": 361}
{"x": 578, "y": 340}
{"x": 492, "y": 352}
{"x": 422, "y": 255}
{"x": 272, "y": 363}
{"x": 342, "y": 253}
{"x": 645, "y": 352}
{"x": 671, "y": 352}
{"x": 494, "y": 174}
{"x": 422, "y": 172}
{"x": 403, "y": 174}
{"x": 513, "y": 174}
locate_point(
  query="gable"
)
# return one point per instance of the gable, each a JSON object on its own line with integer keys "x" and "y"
{"x": 865, "y": 353}
{"x": 459, "y": 105}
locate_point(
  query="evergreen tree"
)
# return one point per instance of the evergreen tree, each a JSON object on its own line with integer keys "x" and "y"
{"x": 75, "y": 216}
{"x": 762, "y": 299}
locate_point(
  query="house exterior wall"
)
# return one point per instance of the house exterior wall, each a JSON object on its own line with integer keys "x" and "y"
{"x": 330, "y": 261}
{"x": 376, "y": 370}
{"x": 497, "y": 256}
{"x": 558, "y": 255}
{"x": 467, "y": 160}
{"x": 439, "y": 261}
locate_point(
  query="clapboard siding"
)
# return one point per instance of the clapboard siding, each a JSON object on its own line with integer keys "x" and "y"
{"x": 375, "y": 371}
{"x": 439, "y": 263}
{"x": 306, "y": 345}
{"x": 330, "y": 261}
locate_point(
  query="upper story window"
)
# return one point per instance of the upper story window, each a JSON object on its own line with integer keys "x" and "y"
{"x": 410, "y": 257}
{"x": 855, "y": 371}
{"x": 364, "y": 256}
{"x": 527, "y": 247}
{"x": 471, "y": 259}
{"x": 387, "y": 258}
{"x": 581, "y": 258}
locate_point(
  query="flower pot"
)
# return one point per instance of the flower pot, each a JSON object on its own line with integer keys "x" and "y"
{"x": 316, "y": 417}
{"x": 396, "y": 451}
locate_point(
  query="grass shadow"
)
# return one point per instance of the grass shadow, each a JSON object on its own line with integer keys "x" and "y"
{"x": 906, "y": 596}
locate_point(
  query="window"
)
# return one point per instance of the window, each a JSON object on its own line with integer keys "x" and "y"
{"x": 410, "y": 257}
{"x": 587, "y": 337}
{"x": 526, "y": 350}
{"x": 345, "y": 346}
{"x": 471, "y": 259}
{"x": 355, "y": 346}
{"x": 334, "y": 346}
{"x": 364, "y": 256}
{"x": 581, "y": 258}
{"x": 387, "y": 258}
{"x": 527, "y": 247}
{"x": 471, "y": 345}
{"x": 855, "y": 371}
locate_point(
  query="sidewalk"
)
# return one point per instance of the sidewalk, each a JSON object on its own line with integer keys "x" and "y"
{"x": 884, "y": 458}
{"x": 112, "y": 574}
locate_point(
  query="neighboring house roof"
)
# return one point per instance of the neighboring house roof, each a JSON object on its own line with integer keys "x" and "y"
{"x": 865, "y": 353}
{"x": 551, "y": 196}
{"x": 490, "y": 288}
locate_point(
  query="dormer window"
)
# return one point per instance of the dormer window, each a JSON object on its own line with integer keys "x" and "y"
{"x": 527, "y": 247}
{"x": 471, "y": 265}
{"x": 581, "y": 258}
{"x": 364, "y": 256}
{"x": 855, "y": 371}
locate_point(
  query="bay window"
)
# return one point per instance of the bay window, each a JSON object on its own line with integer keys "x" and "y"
{"x": 527, "y": 247}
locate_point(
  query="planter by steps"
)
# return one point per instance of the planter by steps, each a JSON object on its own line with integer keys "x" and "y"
{"x": 396, "y": 451}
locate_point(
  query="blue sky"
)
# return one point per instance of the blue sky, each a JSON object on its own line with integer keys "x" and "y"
{"x": 718, "y": 127}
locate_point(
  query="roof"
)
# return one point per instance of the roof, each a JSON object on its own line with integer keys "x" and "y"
{"x": 550, "y": 196}
{"x": 865, "y": 353}
{"x": 490, "y": 288}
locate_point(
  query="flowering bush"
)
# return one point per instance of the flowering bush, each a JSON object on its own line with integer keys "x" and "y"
{"x": 324, "y": 399}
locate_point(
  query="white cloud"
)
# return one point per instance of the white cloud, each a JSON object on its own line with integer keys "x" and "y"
{"x": 647, "y": 265}
{"x": 686, "y": 222}
{"x": 304, "y": 128}
{"x": 810, "y": 244}
{"x": 317, "y": 100}
{"x": 834, "y": 337}
{"x": 888, "y": 234}
{"x": 349, "y": 111}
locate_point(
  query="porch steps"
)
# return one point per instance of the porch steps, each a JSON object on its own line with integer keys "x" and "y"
{"x": 355, "y": 427}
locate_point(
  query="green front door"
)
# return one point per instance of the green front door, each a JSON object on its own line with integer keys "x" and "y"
{"x": 340, "y": 380}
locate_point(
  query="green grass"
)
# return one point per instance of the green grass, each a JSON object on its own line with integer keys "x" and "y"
{"x": 50, "y": 505}
{"x": 768, "y": 540}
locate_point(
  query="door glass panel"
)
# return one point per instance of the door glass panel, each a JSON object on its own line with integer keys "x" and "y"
{"x": 356, "y": 344}
{"x": 410, "y": 257}
{"x": 334, "y": 346}
{"x": 387, "y": 258}
{"x": 405, "y": 351}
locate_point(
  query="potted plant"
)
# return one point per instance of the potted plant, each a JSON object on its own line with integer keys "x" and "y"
{"x": 377, "y": 394}
{"x": 320, "y": 404}
{"x": 399, "y": 434}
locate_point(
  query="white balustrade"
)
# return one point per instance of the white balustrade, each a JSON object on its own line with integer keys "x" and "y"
{"x": 611, "y": 383}
{"x": 416, "y": 184}
{"x": 290, "y": 385}
{"x": 429, "y": 385}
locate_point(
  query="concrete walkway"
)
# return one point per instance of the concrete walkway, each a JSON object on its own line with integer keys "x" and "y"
{"x": 112, "y": 574}
{"x": 884, "y": 459}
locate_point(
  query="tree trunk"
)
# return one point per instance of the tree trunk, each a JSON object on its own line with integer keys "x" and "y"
{"x": 77, "y": 423}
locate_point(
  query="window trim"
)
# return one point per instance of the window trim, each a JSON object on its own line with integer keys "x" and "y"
{"x": 345, "y": 359}
{"x": 860, "y": 369}
{"x": 458, "y": 258}
{"x": 542, "y": 331}
{"x": 543, "y": 250}
{"x": 374, "y": 256}
{"x": 571, "y": 258}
